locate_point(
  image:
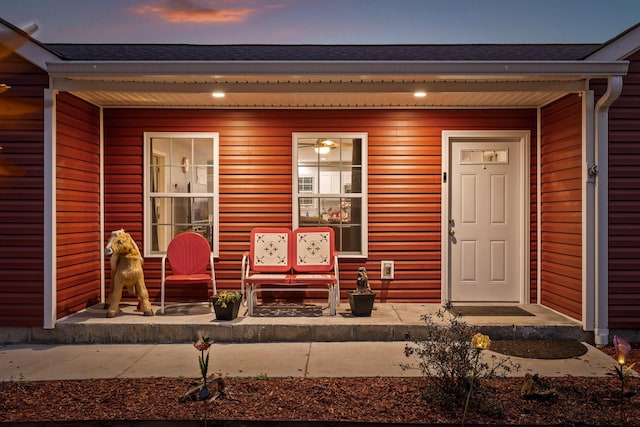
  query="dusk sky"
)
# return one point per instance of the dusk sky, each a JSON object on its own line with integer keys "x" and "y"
{"x": 323, "y": 21}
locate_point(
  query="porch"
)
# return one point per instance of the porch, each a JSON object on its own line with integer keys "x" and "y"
{"x": 307, "y": 323}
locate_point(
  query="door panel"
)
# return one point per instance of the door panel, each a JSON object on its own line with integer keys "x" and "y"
{"x": 485, "y": 264}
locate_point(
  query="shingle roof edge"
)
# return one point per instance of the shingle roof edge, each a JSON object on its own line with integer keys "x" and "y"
{"x": 317, "y": 52}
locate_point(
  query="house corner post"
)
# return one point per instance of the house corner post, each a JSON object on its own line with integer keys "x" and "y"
{"x": 601, "y": 330}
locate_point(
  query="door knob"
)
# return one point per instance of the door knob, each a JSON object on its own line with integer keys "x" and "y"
{"x": 452, "y": 232}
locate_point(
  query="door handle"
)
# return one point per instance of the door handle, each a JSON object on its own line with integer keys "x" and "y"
{"x": 452, "y": 232}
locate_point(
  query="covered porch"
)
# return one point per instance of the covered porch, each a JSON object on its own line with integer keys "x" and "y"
{"x": 555, "y": 110}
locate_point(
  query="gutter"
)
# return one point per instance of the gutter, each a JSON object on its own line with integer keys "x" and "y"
{"x": 601, "y": 330}
{"x": 64, "y": 69}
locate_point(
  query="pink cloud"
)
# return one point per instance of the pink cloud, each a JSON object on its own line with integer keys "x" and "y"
{"x": 189, "y": 11}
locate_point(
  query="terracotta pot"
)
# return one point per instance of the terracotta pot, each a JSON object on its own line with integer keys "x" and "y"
{"x": 229, "y": 312}
{"x": 361, "y": 304}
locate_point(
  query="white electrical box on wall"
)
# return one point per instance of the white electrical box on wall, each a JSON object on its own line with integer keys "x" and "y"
{"x": 386, "y": 270}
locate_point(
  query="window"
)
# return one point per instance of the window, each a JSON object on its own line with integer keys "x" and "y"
{"x": 181, "y": 188}
{"x": 330, "y": 182}
{"x": 480, "y": 157}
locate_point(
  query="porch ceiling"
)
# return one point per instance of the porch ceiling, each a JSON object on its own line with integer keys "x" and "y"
{"x": 318, "y": 92}
{"x": 316, "y": 100}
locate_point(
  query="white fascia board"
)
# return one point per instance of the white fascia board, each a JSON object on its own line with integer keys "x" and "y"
{"x": 227, "y": 86}
{"x": 359, "y": 68}
{"x": 25, "y": 46}
{"x": 36, "y": 55}
{"x": 618, "y": 48}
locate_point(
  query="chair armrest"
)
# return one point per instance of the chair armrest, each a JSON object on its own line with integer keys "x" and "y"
{"x": 336, "y": 272}
{"x": 244, "y": 272}
{"x": 163, "y": 269}
{"x": 244, "y": 265}
{"x": 213, "y": 274}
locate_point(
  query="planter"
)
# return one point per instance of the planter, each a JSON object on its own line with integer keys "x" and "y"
{"x": 361, "y": 304}
{"x": 229, "y": 312}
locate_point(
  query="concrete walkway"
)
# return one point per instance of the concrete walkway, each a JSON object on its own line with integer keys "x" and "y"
{"x": 40, "y": 362}
{"x": 87, "y": 345}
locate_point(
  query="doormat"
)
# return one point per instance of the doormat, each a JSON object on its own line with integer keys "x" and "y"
{"x": 486, "y": 310}
{"x": 287, "y": 310}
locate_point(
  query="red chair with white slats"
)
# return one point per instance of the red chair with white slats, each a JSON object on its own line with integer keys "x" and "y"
{"x": 188, "y": 255}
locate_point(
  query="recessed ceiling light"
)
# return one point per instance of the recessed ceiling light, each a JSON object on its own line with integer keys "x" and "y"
{"x": 419, "y": 94}
{"x": 218, "y": 94}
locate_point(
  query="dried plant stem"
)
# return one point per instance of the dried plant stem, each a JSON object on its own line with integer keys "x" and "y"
{"x": 473, "y": 377}
{"x": 621, "y": 396}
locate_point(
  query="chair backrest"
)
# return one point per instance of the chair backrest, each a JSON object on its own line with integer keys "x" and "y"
{"x": 314, "y": 249}
{"x": 270, "y": 250}
{"x": 188, "y": 253}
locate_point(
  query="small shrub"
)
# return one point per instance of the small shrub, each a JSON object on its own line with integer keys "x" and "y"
{"x": 226, "y": 298}
{"x": 448, "y": 360}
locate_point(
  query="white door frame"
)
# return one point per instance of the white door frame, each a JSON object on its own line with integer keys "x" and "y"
{"x": 524, "y": 139}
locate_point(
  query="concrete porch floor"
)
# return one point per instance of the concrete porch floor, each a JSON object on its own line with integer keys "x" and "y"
{"x": 388, "y": 322}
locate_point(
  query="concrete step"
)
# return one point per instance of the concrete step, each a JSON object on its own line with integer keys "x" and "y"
{"x": 308, "y": 323}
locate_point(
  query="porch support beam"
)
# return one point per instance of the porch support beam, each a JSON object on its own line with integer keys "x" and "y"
{"x": 49, "y": 239}
{"x": 614, "y": 88}
{"x": 102, "y": 226}
{"x": 539, "y": 206}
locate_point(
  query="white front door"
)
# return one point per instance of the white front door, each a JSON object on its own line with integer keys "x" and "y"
{"x": 485, "y": 224}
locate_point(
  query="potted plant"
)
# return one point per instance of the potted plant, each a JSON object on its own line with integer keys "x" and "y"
{"x": 226, "y": 304}
{"x": 361, "y": 300}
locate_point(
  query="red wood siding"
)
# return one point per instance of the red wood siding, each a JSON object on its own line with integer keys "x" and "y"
{"x": 255, "y": 182}
{"x": 78, "y": 205}
{"x": 624, "y": 202}
{"x": 21, "y": 214}
{"x": 533, "y": 222}
{"x": 561, "y": 206}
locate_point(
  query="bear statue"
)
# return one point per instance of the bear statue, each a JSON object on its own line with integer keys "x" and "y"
{"x": 126, "y": 271}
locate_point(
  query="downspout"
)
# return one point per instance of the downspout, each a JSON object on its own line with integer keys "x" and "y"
{"x": 601, "y": 330}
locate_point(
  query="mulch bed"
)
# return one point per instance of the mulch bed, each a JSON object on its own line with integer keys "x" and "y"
{"x": 584, "y": 401}
{"x": 580, "y": 401}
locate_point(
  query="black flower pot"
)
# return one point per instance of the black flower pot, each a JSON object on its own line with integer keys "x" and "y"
{"x": 361, "y": 304}
{"x": 229, "y": 312}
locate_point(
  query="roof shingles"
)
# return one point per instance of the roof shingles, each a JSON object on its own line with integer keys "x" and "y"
{"x": 186, "y": 52}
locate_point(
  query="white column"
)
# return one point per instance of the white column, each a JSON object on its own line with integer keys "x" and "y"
{"x": 49, "y": 241}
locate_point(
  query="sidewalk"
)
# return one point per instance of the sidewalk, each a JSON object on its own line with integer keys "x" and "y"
{"x": 39, "y": 362}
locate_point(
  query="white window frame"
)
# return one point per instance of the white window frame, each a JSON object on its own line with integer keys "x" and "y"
{"x": 148, "y": 136}
{"x": 364, "y": 136}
